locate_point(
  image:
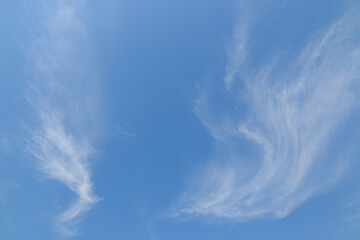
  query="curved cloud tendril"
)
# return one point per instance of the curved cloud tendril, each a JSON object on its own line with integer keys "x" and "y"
{"x": 292, "y": 110}
{"x": 62, "y": 91}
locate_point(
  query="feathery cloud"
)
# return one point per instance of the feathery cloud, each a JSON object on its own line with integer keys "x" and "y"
{"x": 289, "y": 109}
{"x": 62, "y": 91}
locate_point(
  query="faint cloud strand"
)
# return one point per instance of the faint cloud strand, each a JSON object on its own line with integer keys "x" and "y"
{"x": 294, "y": 108}
{"x": 236, "y": 55}
{"x": 62, "y": 93}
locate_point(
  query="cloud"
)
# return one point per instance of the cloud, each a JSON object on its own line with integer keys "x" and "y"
{"x": 271, "y": 146}
{"x": 62, "y": 92}
{"x": 237, "y": 53}
{"x": 352, "y": 214}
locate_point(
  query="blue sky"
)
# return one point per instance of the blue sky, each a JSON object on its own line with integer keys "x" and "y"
{"x": 179, "y": 119}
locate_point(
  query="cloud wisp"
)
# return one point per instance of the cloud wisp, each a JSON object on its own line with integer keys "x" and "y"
{"x": 62, "y": 91}
{"x": 289, "y": 110}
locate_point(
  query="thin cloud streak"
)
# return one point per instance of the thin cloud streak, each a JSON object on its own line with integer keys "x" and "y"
{"x": 62, "y": 93}
{"x": 293, "y": 108}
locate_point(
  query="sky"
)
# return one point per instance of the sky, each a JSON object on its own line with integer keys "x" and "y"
{"x": 173, "y": 120}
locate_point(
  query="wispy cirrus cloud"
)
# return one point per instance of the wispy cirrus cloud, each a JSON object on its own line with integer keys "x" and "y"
{"x": 288, "y": 109}
{"x": 62, "y": 92}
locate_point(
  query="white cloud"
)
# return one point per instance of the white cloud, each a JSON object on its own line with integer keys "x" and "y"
{"x": 293, "y": 108}
{"x": 62, "y": 91}
{"x": 236, "y": 55}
